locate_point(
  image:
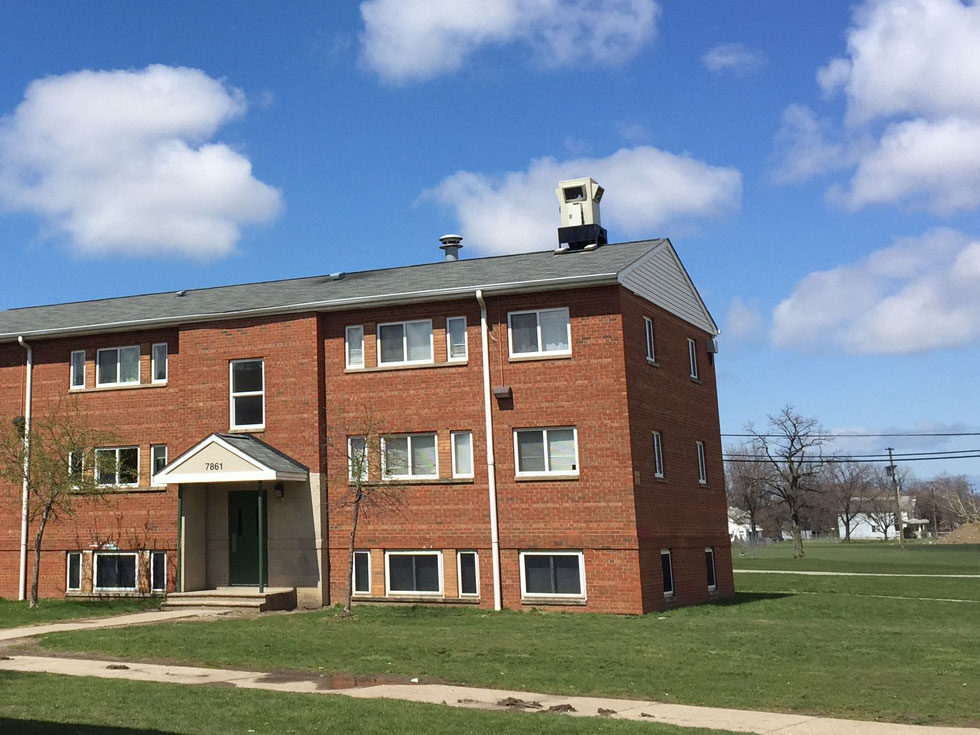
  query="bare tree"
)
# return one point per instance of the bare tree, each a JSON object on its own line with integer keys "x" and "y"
{"x": 960, "y": 497}
{"x": 849, "y": 486}
{"x": 792, "y": 447}
{"x": 55, "y": 459}
{"x": 746, "y": 474}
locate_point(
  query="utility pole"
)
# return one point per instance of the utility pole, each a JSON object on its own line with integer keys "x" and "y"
{"x": 898, "y": 502}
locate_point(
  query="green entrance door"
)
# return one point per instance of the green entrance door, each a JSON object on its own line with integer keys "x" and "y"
{"x": 243, "y": 538}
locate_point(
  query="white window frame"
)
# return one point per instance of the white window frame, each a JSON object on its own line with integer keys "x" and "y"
{"x": 547, "y": 472}
{"x": 347, "y": 343}
{"x": 68, "y": 556}
{"x": 411, "y": 475}
{"x": 452, "y": 445}
{"x": 670, "y": 561}
{"x": 95, "y": 571}
{"x": 98, "y": 370}
{"x": 459, "y": 576}
{"x": 449, "y": 344}
{"x": 692, "y": 357}
{"x": 714, "y": 568}
{"x": 658, "y": 455}
{"x": 350, "y": 459}
{"x": 702, "y": 465}
{"x": 651, "y": 346}
{"x": 153, "y": 450}
{"x": 71, "y": 461}
{"x": 414, "y": 593}
{"x": 525, "y": 595}
{"x": 117, "y": 450}
{"x": 541, "y": 352}
{"x": 353, "y": 573}
{"x": 244, "y": 394}
{"x": 153, "y": 363}
{"x": 404, "y": 326}
{"x": 72, "y": 384}
{"x": 155, "y": 553}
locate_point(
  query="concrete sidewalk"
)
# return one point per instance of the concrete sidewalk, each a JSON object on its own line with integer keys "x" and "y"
{"x": 115, "y": 621}
{"x": 763, "y": 723}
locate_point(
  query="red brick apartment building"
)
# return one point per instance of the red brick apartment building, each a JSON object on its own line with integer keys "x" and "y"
{"x": 549, "y": 421}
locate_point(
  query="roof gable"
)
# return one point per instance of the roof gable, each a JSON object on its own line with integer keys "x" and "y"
{"x": 231, "y": 458}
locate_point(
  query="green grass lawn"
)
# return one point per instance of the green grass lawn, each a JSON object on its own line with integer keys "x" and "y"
{"x": 863, "y": 556}
{"x": 15, "y": 613}
{"x": 909, "y": 587}
{"x": 39, "y": 704}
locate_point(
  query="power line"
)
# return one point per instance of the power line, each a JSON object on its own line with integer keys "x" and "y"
{"x": 827, "y": 460}
{"x": 880, "y": 455}
{"x": 861, "y": 436}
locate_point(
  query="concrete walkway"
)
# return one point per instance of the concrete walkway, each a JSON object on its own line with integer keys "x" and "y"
{"x": 143, "y": 618}
{"x": 763, "y": 723}
{"x": 853, "y": 574}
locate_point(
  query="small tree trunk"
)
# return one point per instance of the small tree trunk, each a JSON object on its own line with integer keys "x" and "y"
{"x": 797, "y": 537}
{"x": 350, "y": 551}
{"x": 37, "y": 553}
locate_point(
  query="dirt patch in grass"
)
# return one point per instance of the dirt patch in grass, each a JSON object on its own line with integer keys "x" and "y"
{"x": 968, "y": 533}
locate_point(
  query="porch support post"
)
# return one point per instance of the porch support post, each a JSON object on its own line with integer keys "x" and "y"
{"x": 261, "y": 538}
{"x": 180, "y": 537}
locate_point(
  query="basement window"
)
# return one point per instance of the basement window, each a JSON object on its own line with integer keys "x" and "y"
{"x": 115, "y": 571}
{"x": 414, "y": 572}
{"x": 117, "y": 366}
{"x": 667, "y": 566}
{"x": 552, "y": 574}
{"x": 546, "y": 451}
{"x": 543, "y": 332}
{"x": 709, "y": 563}
{"x": 468, "y": 572}
{"x": 118, "y": 466}
{"x": 158, "y": 571}
{"x": 405, "y": 343}
{"x": 362, "y": 573}
{"x": 74, "y": 581}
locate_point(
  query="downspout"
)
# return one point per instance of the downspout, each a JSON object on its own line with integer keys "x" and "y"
{"x": 27, "y": 467}
{"x": 491, "y": 471}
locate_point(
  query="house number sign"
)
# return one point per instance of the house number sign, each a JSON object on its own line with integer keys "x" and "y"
{"x": 212, "y": 466}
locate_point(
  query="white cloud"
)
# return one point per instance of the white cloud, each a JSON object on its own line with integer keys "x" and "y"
{"x": 918, "y": 294}
{"x": 744, "y": 321}
{"x": 733, "y": 57}
{"x": 415, "y": 40}
{"x": 646, "y": 190}
{"x": 804, "y": 148}
{"x": 120, "y": 162}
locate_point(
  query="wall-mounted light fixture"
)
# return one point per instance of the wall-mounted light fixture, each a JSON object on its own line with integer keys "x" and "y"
{"x": 280, "y": 490}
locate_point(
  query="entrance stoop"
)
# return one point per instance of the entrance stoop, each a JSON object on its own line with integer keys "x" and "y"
{"x": 234, "y": 598}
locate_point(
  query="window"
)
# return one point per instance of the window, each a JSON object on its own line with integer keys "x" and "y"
{"x": 77, "y": 369}
{"x": 354, "y": 346}
{"x": 117, "y": 365}
{"x": 362, "y": 572}
{"x": 247, "y": 394}
{"x": 709, "y": 563}
{"x": 702, "y": 469}
{"x": 658, "y": 455}
{"x": 117, "y": 466}
{"x": 410, "y": 456}
{"x": 542, "y": 332}
{"x": 158, "y": 362}
{"x": 158, "y": 571}
{"x": 546, "y": 451}
{"x": 158, "y": 459}
{"x": 668, "y": 572}
{"x": 648, "y": 330}
{"x": 414, "y": 572}
{"x": 357, "y": 459}
{"x": 76, "y": 463}
{"x": 405, "y": 343}
{"x": 115, "y": 571}
{"x": 468, "y": 572}
{"x": 555, "y": 574}
{"x": 74, "y": 581}
{"x": 692, "y": 354}
{"x": 462, "y": 454}
{"x": 456, "y": 338}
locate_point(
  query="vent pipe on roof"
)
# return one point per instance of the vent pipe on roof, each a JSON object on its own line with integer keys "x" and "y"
{"x": 451, "y": 244}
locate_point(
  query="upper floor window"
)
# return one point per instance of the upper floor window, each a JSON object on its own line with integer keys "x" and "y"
{"x": 247, "y": 394}
{"x": 456, "y": 338}
{"x": 462, "y": 451}
{"x": 77, "y": 369}
{"x": 117, "y": 466}
{"x": 546, "y": 451}
{"x": 648, "y": 330}
{"x": 540, "y": 332}
{"x": 409, "y": 456}
{"x": 158, "y": 366}
{"x": 692, "y": 354}
{"x": 405, "y": 343}
{"x": 115, "y": 365}
{"x": 357, "y": 458}
{"x": 354, "y": 346}
{"x": 158, "y": 459}
{"x": 658, "y": 455}
{"x": 702, "y": 468}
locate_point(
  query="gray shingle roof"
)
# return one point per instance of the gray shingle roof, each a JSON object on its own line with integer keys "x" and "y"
{"x": 525, "y": 271}
{"x": 263, "y": 453}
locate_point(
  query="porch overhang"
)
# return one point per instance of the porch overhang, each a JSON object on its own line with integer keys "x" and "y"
{"x": 231, "y": 458}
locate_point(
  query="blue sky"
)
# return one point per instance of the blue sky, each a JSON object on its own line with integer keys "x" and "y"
{"x": 815, "y": 163}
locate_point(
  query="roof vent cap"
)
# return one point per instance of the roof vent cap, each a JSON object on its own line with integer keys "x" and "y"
{"x": 182, "y": 292}
{"x": 578, "y": 202}
{"x": 451, "y": 244}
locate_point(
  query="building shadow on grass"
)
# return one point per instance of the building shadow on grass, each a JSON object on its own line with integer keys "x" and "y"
{"x": 37, "y": 727}
{"x": 746, "y": 598}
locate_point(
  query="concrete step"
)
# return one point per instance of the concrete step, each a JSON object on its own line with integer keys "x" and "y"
{"x": 233, "y": 598}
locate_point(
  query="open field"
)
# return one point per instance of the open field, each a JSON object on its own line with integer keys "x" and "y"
{"x": 41, "y": 704}
{"x": 15, "y": 613}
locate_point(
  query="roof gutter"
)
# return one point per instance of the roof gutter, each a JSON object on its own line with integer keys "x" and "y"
{"x": 491, "y": 469}
{"x": 22, "y": 589}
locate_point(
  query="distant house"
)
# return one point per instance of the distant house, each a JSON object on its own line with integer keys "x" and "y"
{"x": 878, "y": 521}
{"x": 740, "y": 528}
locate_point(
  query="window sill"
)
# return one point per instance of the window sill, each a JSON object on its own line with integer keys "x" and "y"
{"x": 660, "y": 478}
{"x": 653, "y": 363}
{"x": 546, "y": 356}
{"x": 247, "y": 429}
{"x": 124, "y": 386}
{"x": 696, "y": 380}
{"x": 564, "y": 601}
{"x": 122, "y": 489}
{"x": 419, "y": 366}
{"x": 560, "y": 477}
{"x": 430, "y": 481}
